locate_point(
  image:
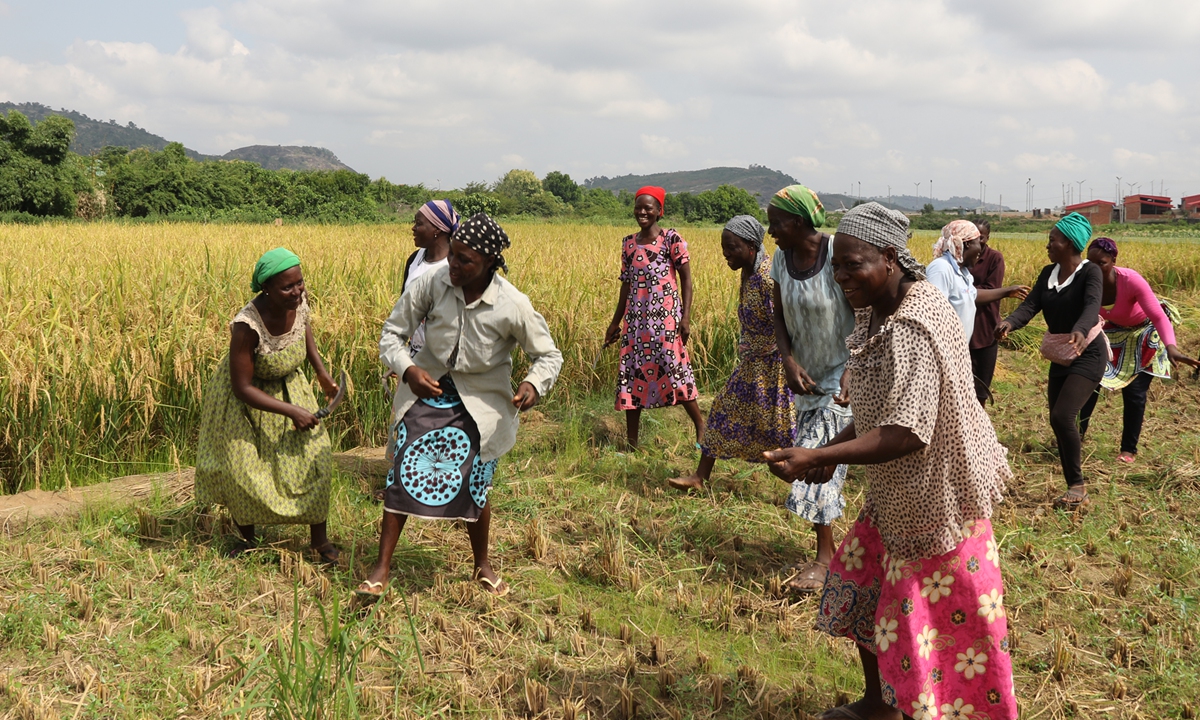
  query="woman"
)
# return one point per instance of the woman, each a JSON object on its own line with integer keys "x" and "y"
{"x": 1142, "y": 337}
{"x": 812, "y": 321}
{"x": 754, "y": 412}
{"x": 432, "y": 227}
{"x": 457, "y": 413}
{"x": 263, "y": 454}
{"x": 955, "y": 254}
{"x": 916, "y": 582}
{"x": 656, "y": 305}
{"x": 988, "y": 274}
{"x": 1067, "y": 293}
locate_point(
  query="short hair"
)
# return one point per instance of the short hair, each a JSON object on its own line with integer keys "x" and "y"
{"x": 983, "y": 225}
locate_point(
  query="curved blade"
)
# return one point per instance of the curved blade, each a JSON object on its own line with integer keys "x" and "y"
{"x": 337, "y": 399}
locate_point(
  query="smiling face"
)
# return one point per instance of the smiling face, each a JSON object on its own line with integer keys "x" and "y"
{"x": 467, "y": 265}
{"x": 861, "y": 269}
{"x": 286, "y": 290}
{"x": 425, "y": 233}
{"x": 1059, "y": 248}
{"x": 646, "y": 211}
{"x": 785, "y": 228}
{"x": 738, "y": 253}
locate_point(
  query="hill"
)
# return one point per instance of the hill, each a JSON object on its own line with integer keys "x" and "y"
{"x": 92, "y": 135}
{"x": 288, "y": 157}
{"x": 757, "y": 180}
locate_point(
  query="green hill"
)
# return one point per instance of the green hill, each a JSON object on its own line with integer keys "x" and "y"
{"x": 92, "y": 135}
{"x": 758, "y": 180}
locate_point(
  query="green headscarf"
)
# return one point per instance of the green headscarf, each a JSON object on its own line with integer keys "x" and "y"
{"x": 1077, "y": 229}
{"x": 799, "y": 200}
{"x": 271, "y": 264}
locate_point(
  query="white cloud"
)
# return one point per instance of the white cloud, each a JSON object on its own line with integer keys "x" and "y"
{"x": 1159, "y": 95}
{"x": 1055, "y": 135}
{"x": 1130, "y": 159}
{"x": 1032, "y": 162}
{"x": 663, "y": 148}
{"x": 805, "y": 164}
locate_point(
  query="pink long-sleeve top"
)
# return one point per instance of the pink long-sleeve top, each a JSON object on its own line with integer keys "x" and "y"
{"x": 1135, "y": 302}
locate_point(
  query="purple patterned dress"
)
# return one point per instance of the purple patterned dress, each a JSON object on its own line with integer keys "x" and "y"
{"x": 654, "y": 370}
{"x": 754, "y": 412}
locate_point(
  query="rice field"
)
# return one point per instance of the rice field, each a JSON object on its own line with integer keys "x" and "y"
{"x": 629, "y": 601}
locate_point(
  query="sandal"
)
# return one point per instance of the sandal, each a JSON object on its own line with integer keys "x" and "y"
{"x": 1073, "y": 499}
{"x": 806, "y": 579}
{"x": 369, "y": 590}
{"x": 328, "y": 554}
{"x": 497, "y": 587}
{"x": 1127, "y": 457}
{"x": 240, "y": 548}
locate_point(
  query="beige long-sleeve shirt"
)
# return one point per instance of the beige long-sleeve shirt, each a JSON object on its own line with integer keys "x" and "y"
{"x": 473, "y": 344}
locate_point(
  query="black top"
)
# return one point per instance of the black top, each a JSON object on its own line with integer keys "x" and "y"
{"x": 1076, "y": 308}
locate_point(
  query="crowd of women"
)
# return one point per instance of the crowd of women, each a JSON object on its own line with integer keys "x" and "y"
{"x": 850, "y": 352}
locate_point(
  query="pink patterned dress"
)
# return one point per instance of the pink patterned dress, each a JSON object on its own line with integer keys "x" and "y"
{"x": 655, "y": 370}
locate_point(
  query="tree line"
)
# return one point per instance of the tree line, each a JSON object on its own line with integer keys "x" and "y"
{"x": 41, "y": 178}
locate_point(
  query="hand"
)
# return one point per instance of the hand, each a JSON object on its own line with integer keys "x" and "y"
{"x": 329, "y": 387}
{"x": 843, "y": 396}
{"x": 526, "y": 397}
{"x": 1002, "y": 330}
{"x": 1017, "y": 291}
{"x": 613, "y": 333}
{"x": 790, "y": 464}
{"x": 685, "y": 329}
{"x": 303, "y": 419}
{"x": 1078, "y": 341}
{"x": 820, "y": 475}
{"x": 1177, "y": 357}
{"x": 421, "y": 383}
{"x": 797, "y": 378}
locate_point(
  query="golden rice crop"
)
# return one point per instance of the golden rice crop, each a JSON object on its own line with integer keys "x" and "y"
{"x": 108, "y": 332}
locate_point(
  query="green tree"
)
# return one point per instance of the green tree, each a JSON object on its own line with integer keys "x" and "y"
{"x": 518, "y": 184}
{"x": 562, "y": 186}
{"x": 35, "y": 174}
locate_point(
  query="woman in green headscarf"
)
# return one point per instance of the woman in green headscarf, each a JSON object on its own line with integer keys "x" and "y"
{"x": 263, "y": 453}
{"x": 1068, "y": 294}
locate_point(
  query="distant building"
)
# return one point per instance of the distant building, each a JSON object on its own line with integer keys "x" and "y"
{"x": 1098, "y": 212}
{"x": 1147, "y": 208}
{"x": 1191, "y": 207}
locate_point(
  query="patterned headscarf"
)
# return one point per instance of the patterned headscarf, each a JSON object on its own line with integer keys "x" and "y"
{"x": 953, "y": 237}
{"x": 482, "y": 234}
{"x": 271, "y": 264}
{"x": 1077, "y": 228}
{"x": 441, "y": 213}
{"x": 1106, "y": 245}
{"x": 874, "y": 224}
{"x": 799, "y": 200}
{"x": 748, "y": 228}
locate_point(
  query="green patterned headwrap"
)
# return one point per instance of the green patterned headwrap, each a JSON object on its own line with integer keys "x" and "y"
{"x": 271, "y": 264}
{"x": 1077, "y": 229}
{"x": 799, "y": 200}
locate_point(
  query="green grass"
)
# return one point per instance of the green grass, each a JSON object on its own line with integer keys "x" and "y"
{"x": 148, "y": 627}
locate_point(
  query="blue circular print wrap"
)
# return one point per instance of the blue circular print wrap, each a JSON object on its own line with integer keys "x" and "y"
{"x": 481, "y": 480}
{"x": 431, "y": 469}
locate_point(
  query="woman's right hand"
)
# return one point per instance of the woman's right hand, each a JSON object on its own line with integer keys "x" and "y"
{"x": 613, "y": 333}
{"x": 303, "y": 419}
{"x": 797, "y": 379}
{"x": 1019, "y": 292}
{"x": 1002, "y": 330}
{"x": 421, "y": 383}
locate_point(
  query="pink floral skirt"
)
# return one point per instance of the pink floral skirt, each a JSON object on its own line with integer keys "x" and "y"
{"x": 937, "y": 625}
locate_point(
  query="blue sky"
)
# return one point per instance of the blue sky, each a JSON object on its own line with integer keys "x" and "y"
{"x": 882, "y": 93}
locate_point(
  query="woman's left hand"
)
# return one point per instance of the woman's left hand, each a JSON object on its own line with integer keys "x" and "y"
{"x": 1078, "y": 341}
{"x": 526, "y": 397}
{"x": 685, "y": 329}
{"x": 329, "y": 387}
{"x": 1177, "y": 357}
{"x": 790, "y": 464}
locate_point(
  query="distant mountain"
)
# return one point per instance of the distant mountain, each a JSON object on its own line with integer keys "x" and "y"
{"x": 756, "y": 179}
{"x": 288, "y": 157}
{"x": 916, "y": 203}
{"x": 93, "y": 135}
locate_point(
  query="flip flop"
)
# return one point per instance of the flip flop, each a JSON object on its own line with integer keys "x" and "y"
{"x": 1127, "y": 458}
{"x": 366, "y": 590}
{"x": 327, "y": 554}
{"x": 808, "y": 571}
{"x": 1070, "y": 502}
{"x": 497, "y": 587}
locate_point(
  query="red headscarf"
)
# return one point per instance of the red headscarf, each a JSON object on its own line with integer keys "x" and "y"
{"x": 657, "y": 193}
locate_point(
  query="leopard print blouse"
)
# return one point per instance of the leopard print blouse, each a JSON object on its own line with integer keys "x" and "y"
{"x": 915, "y": 372}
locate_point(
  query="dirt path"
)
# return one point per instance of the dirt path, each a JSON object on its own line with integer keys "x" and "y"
{"x": 17, "y": 511}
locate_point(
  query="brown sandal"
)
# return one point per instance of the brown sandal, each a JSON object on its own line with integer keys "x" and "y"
{"x": 1075, "y": 498}
{"x": 807, "y": 579}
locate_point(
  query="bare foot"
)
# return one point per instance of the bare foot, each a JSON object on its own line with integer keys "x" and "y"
{"x": 808, "y": 579}
{"x": 691, "y": 482}
{"x": 1126, "y": 457}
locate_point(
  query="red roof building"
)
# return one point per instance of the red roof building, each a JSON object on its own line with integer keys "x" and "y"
{"x": 1098, "y": 212}
{"x": 1147, "y": 208}
{"x": 1191, "y": 206}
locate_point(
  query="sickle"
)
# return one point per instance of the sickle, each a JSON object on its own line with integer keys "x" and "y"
{"x": 337, "y": 399}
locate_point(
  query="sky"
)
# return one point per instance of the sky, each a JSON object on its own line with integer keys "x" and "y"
{"x": 849, "y": 97}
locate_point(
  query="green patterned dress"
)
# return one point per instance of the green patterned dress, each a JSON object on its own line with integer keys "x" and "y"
{"x": 256, "y": 463}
